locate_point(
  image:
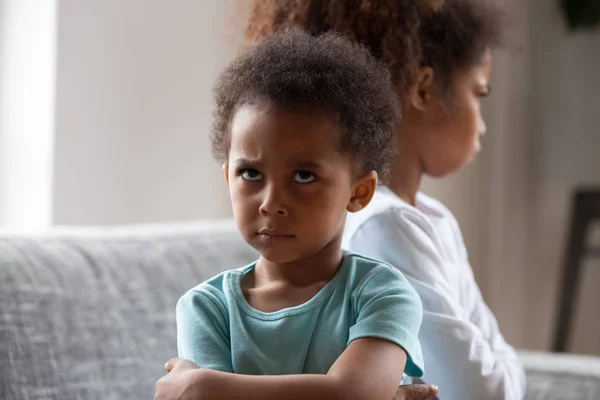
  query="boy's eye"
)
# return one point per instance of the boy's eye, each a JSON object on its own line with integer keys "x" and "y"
{"x": 250, "y": 174}
{"x": 304, "y": 177}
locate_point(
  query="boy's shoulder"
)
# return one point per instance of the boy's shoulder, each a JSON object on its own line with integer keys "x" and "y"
{"x": 216, "y": 287}
{"x": 362, "y": 262}
{"x": 362, "y": 268}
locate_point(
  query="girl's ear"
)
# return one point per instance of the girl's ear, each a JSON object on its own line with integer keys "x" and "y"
{"x": 364, "y": 189}
{"x": 226, "y": 172}
{"x": 422, "y": 90}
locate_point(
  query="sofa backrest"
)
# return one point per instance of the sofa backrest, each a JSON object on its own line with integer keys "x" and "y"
{"x": 89, "y": 313}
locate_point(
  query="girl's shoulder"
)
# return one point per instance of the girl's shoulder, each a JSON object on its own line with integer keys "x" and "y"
{"x": 432, "y": 207}
{"x": 386, "y": 205}
{"x": 390, "y": 219}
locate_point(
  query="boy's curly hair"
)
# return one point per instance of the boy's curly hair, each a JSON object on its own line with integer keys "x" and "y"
{"x": 329, "y": 73}
{"x": 404, "y": 34}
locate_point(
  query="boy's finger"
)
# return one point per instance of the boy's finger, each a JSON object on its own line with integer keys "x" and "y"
{"x": 171, "y": 364}
{"x": 179, "y": 363}
{"x": 418, "y": 391}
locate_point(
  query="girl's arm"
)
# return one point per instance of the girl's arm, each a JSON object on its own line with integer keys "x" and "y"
{"x": 368, "y": 369}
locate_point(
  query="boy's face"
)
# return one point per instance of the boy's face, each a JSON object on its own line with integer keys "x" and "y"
{"x": 290, "y": 184}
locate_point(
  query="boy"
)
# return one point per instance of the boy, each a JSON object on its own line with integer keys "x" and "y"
{"x": 304, "y": 126}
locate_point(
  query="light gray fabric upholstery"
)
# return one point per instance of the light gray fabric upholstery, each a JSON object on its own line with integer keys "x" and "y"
{"x": 561, "y": 376}
{"x": 89, "y": 314}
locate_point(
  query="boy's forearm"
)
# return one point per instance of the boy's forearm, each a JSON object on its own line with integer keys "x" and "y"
{"x": 215, "y": 385}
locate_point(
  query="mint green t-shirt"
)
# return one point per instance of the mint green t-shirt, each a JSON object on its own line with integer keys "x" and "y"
{"x": 217, "y": 328}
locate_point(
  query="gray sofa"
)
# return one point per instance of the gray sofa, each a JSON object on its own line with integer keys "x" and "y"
{"x": 89, "y": 313}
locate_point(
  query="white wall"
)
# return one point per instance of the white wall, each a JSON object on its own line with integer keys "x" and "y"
{"x": 566, "y": 86}
{"x": 134, "y": 101}
{"x": 27, "y": 78}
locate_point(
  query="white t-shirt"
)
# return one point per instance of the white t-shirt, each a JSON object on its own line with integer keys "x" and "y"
{"x": 464, "y": 352}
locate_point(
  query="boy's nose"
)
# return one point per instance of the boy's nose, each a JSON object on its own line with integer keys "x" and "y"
{"x": 273, "y": 205}
{"x": 268, "y": 209}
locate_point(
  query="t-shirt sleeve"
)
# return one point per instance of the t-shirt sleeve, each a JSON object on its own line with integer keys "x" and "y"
{"x": 203, "y": 330}
{"x": 389, "y": 308}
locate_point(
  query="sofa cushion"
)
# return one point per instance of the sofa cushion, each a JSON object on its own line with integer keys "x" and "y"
{"x": 561, "y": 376}
{"x": 89, "y": 314}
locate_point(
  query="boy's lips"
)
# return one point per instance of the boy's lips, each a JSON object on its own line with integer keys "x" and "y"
{"x": 269, "y": 232}
{"x": 272, "y": 235}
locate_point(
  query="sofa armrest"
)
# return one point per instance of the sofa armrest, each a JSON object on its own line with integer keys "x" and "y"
{"x": 553, "y": 376}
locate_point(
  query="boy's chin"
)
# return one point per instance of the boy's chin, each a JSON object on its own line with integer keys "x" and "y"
{"x": 278, "y": 256}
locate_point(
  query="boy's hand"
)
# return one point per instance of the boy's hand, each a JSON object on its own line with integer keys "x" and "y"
{"x": 180, "y": 363}
{"x": 180, "y": 382}
{"x": 420, "y": 391}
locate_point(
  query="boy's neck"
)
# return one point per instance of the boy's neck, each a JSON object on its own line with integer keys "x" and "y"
{"x": 320, "y": 267}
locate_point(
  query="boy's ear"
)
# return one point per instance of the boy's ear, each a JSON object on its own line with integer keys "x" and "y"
{"x": 364, "y": 189}
{"x": 226, "y": 172}
{"x": 422, "y": 90}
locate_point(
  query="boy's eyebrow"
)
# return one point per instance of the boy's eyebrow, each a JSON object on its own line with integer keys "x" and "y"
{"x": 292, "y": 163}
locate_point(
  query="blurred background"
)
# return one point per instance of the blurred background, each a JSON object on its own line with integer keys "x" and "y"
{"x": 105, "y": 107}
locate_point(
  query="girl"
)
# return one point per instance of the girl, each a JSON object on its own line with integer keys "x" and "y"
{"x": 304, "y": 126}
{"x": 439, "y": 56}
